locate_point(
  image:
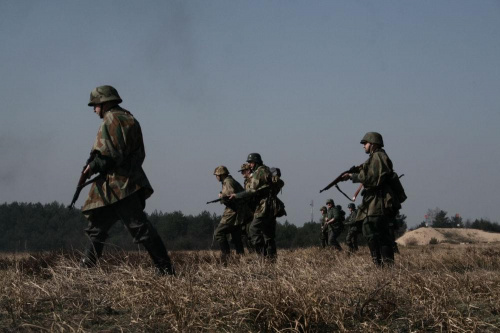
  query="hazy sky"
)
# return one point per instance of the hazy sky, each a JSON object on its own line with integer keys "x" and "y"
{"x": 298, "y": 81}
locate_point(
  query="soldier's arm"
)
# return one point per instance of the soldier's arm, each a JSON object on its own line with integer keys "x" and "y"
{"x": 374, "y": 173}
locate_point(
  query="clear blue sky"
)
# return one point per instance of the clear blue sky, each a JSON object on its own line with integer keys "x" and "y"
{"x": 298, "y": 81}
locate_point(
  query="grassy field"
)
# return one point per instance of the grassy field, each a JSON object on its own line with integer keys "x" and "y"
{"x": 443, "y": 288}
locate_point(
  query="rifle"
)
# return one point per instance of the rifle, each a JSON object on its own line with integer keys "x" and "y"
{"x": 339, "y": 179}
{"x": 82, "y": 181}
{"x": 216, "y": 200}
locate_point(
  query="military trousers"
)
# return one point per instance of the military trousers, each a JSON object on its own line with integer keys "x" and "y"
{"x": 324, "y": 236}
{"x": 130, "y": 211}
{"x": 263, "y": 233}
{"x": 351, "y": 239}
{"x": 333, "y": 234}
{"x": 378, "y": 236}
{"x": 221, "y": 233}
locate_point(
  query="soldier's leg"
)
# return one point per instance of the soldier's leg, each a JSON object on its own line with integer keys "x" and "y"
{"x": 237, "y": 239}
{"x": 370, "y": 232}
{"x": 349, "y": 240}
{"x": 386, "y": 241}
{"x": 249, "y": 245}
{"x": 269, "y": 232}
{"x": 100, "y": 221}
{"x": 355, "y": 239}
{"x": 221, "y": 233}
{"x": 257, "y": 235}
{"x": 323, "y": 237}
{"x": 131, "y": 212}
{"x": 335, "y": 236}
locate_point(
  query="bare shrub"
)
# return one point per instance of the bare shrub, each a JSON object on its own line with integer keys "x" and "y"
{"x": 433, "y": 241}
{"x": 411, "y": 241}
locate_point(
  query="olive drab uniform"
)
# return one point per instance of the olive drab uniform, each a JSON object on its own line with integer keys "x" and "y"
{"x": 121, "y": 191}
{"x": 379, "y": 204}
{"x": 232, "y": 218}
{"x": 324, "y": 228}
{"x": 351, "y": 238}
{"x": 335, "y": 228}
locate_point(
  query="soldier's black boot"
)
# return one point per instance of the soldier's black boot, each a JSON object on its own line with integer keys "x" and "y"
{"x": 225, "y": 251}
{"x": 91, "y": 254}
{"x": 159, "y": 256}
{"x": 375, "y": 253}
{"x": 387, "y": 253}
{"x": 395, "y": 248}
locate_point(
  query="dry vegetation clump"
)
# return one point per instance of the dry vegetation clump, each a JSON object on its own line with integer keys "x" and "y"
{"x": 440, "y": 288}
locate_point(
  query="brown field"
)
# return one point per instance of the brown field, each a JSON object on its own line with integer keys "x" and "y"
{"x": 442, "y": 288}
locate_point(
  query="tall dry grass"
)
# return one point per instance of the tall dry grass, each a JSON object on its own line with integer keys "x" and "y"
{"x": 437, "y": 288}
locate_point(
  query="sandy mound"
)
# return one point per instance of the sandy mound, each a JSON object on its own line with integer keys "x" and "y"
{"x": 423, "y": 236}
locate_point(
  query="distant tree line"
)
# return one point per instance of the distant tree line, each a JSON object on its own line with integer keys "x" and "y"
{"x": 438, "y": 218}
{"x": 41, "y": 227}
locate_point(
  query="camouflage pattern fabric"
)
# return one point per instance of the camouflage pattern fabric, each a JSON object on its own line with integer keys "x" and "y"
{"x": 256, "y": 191}
{"x": 120, "y": 148}
{"x": 378, "y": 198}
{"x": 232, "y": 215}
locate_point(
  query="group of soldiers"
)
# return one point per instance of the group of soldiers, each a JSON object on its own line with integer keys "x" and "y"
{"x": 250, "y": 215}
{"x": 120, "y": 190}
{"x": 333, "y": 222}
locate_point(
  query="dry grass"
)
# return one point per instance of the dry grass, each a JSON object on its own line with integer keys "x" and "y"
{"x": 440, "y": 288}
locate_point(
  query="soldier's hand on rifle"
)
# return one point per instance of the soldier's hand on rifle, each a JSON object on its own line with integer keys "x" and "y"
{"x": 87, "y": 171}
{"x": 346, "y": 176}
{"x": 232, "y": 196}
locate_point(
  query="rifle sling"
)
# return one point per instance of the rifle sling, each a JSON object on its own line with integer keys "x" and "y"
{"x": 338, "y": 188}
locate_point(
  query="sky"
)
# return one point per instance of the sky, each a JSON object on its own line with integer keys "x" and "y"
{"x": 299, "y": 82}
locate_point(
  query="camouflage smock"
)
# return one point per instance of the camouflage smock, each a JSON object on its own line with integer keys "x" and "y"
{"x": 233, "y": 214}
{"x": 256, "y": 191}
{"x": 121, "y": 153}
{"x": 377, "y": 195}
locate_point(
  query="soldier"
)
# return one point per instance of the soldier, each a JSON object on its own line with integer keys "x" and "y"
{"x": 232, "y": 218}
{"x": 246, "y": 172}
{"x": 379, "y": 205}
{"x": 352, "y": 231}
{"x": 259, "y": 191}
{"x": 334, "y": 223}
{"x": 121, "y": 191}
{"x": 324, "y": 227}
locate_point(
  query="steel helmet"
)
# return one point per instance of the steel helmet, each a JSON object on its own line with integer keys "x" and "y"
{"x": 255, "y": 158}
{"x": 221, "y": 170}
{"x": 104, "y": 94}
{"x": 351, "y": 206}
{"x": 373, "y": 137}
{"x": 322, "y": 209}
{"x": 330, "y": 201}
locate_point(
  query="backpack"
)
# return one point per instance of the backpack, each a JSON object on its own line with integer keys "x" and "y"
{"x": 342, "y": 213}
{"x": 397, "y": 188}
{"x": 276, "y": 183}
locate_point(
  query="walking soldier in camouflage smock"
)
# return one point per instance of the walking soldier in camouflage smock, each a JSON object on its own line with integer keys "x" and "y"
{"x": 233, "y": 216}
{"x": 334, "y": 223}
{"x": 379, "y": 206}
{"x": 324, "y": 227}
{"x": 121, "y": 191}
{"x": 351, "y": 238}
